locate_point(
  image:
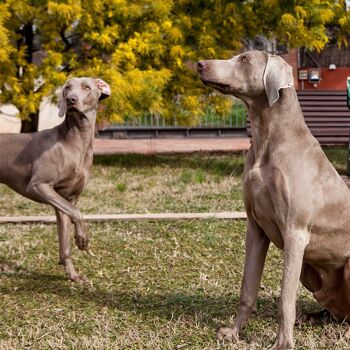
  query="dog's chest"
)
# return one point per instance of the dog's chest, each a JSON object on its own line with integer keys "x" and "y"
{"x": 77, "y": 175}
{"x": 258, "y": 202}
{"x": 255, "y": 192}
{"x": 74, "y": 185}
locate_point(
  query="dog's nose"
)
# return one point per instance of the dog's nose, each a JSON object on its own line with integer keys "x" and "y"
{"x": 200, "y": 66}
{"x": 72, "y": 99}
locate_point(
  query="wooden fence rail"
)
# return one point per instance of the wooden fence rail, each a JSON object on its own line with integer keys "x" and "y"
{"x": 127, "y": 217}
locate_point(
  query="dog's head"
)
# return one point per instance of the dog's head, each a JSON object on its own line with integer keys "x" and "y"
{"x": 248, "y": 75}
{"x": 82, "y": 94}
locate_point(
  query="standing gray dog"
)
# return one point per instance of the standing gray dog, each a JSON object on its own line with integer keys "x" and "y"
{"x": 53, "y": 166}
{"x": 292, "y": 194}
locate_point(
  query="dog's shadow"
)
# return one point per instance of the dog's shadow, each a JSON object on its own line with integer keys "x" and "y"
{"x": 213, "y": 311}
{"x": 165, "y": 305}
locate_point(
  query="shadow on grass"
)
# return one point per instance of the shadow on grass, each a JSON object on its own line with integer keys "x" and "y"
{"x": 223, "y": 164}
{"x": 212, "y": 311}
{"x": 218, "y": 164}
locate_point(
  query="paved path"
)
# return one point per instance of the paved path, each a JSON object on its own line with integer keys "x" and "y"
{"x": 158, "y": 146}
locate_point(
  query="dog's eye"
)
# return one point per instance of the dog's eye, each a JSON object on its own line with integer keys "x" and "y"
{"x": 243, "y": 59}
{"x": 87, "y": 88}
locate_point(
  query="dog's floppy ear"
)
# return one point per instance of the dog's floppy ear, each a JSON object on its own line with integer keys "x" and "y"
{"x": 278, "y": 75}
{"x": 104, "y": 88}
{"x": 62, "y": 103}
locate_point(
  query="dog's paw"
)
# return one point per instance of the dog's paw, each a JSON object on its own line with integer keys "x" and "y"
{"x": 347, "y": 333}
{"x": 314, "y": 317}
{"x": 78, "y": 278}
{"x": 228, "y": 334}
{"x": 282, "y": 343}
{"x": 82, "y": 241}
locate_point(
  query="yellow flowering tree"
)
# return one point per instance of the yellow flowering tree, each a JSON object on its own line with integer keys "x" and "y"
{"x": 145, "y": 49}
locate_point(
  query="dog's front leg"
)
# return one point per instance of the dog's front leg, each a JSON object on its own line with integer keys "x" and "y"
{"x": 257, "y": 244}
{"x": 294, "y": 246}
{"x": 45, "y": 193}
{"x": 64, "y": 241}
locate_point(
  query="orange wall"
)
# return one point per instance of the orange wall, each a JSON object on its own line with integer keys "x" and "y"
{"x": 330, "y": 79}
{"x": 292, "y": 58}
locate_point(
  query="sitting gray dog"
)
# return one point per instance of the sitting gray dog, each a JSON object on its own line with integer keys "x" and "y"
{"x": 292, "y": 194}
{"x": 53, "y": 166}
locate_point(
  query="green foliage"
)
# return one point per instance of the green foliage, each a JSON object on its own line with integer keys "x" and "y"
{"x": 296, "y": 23}
{"x": 145, "y": 49}
{"x": 5, "y": 48}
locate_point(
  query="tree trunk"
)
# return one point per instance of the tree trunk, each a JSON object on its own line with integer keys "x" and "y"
{"x": 31, "y": 124}
{"x": 28, "y": 34}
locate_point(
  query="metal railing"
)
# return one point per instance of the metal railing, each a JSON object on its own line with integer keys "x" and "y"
{"x": 236, "y": 119}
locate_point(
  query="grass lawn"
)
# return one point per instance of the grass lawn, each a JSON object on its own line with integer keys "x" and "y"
{"x": 154, "y": 285}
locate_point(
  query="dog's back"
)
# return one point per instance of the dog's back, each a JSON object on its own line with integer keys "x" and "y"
{"x": 18, "y": 153}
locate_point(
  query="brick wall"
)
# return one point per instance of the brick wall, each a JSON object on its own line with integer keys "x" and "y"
{"x": 292, "y": 58}
{"x": 330, "y": 79}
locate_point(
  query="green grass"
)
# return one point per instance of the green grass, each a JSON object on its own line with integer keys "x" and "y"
{"x": 338, "y": 157}
{"x": 121, "y": 187}
{"x": 154, "y": 285}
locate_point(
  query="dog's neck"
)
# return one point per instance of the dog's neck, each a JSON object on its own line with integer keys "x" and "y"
{"x": 79, "y": 126}
{"x": 279, "y": 123}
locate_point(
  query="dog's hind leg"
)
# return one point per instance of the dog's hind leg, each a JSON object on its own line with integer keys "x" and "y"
{"x": 346, "y": 275}
{"x": 311, "y": 279}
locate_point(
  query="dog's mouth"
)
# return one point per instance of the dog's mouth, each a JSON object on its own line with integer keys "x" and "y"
{"x": 74, "y": 107}
{"x": 79, "y": 109}
{"x": 224, "y": 88}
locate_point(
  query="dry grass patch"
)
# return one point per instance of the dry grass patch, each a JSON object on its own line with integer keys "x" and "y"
{"x": 141, "y": 184}
{"x": 160, "y": 285}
